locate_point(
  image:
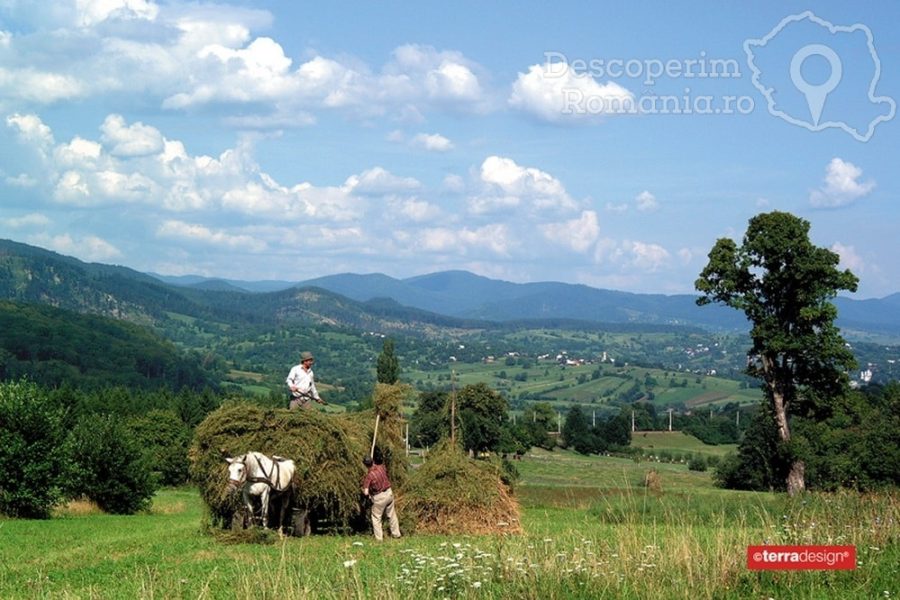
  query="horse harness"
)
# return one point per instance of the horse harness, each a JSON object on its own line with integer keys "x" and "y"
{"x": 268, "y": 479}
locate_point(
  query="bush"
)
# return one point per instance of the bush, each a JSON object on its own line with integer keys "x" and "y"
{"x": 697, "y": 463}
{"x": 111, "y": 467}
{"x": 164, "y": 438}
{"x": 32, "y": 456}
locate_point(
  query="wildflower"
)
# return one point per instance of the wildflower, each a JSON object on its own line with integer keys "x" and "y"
{"x": 349, "y": 563}
{"x": 357, "y": 543}
{"x": 476, "y": 585}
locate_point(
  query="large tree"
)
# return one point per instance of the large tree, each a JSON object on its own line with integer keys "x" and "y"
{"x": 388, "y": 366}
{"x": 481, "y": 412}
{"x": 784, "y": 284}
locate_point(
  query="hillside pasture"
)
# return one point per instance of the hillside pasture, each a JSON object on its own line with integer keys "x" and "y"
{"x": 592, "y": 530}
{"x": 594, "y": 385}
{"x": 677, "y": 441}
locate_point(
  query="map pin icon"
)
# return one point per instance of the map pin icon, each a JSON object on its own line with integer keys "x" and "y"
{"x": 816, "y": 94}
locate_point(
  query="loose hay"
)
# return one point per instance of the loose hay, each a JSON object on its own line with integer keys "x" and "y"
{"x": 327, "y": 450}
{"x": 453, "y": 494}
{"x": 653, "y": 482}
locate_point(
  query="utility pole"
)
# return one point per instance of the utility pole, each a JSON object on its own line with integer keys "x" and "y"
{"x": 632, "y": 422}
{"x": 558, "y": 422}
{"x": 594, "y": 421}
{"x": 737, "y": 419}
{"x": 670, "y": 419}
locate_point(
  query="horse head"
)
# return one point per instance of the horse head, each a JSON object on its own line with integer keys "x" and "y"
{"x": 237, "y": 472}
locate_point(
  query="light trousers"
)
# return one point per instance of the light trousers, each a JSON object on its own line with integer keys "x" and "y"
{"x": 383, "y": 503}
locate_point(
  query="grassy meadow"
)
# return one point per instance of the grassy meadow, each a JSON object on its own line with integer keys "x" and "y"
{"x": 564, "y": 386}
{"x": 592, "y": 530}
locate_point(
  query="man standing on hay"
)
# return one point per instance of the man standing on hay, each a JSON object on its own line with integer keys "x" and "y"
{"x": 377, "y": 486}
{"x": 302, "y": 383}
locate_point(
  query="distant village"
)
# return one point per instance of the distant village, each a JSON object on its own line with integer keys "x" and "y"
{"x": 882, "y": 369}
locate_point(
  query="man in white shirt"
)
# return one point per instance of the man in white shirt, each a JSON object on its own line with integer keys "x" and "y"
{"x": 302, "y": 383}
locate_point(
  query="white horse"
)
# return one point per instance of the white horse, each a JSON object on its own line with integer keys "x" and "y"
{"x": 257, "y": 475}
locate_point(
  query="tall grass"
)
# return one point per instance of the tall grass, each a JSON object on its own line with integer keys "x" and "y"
{"x": 616, "y": 541}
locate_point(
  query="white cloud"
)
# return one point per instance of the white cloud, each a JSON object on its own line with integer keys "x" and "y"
{"x": 454, "y": 183}
{"x": 43, "y": 87}
{"x": 413, "y": 209}
{"x": 433, "y": 142}
{"x": 507, "y": 184}
{"x": 88, "y": 248}
{"x": 25, "y": 221}
{"x": 578, "y": 234}
{"x": 258, "y": 72}
{"x": 31, "y": 129}
{"x": 92, "y": 12}
{"x": 632, "y": 255}
{"x": 204, "y": 235}
{"x": 648, "y": 257}
{"x": 556, "y": 93}
{"x": 685, "y": 255}
{"x": 416, "y": 78}
{"x": 447, "y": 76}
{"x": 616, "y": 208}
{"x": 378, "y": 181}
{"x": 842, "y": 186}
{"x": 22, "y": 180}
{"x": 850, "y": 259}
{"x": 130, "y": 140}
{"x": 646, "y": 202}
{"x": 78, "y": 153}
{"x": 495, "y": 238}
{"x": 198, "y": 56}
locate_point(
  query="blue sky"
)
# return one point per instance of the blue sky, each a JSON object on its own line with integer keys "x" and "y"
{"x": 579, "y": 142}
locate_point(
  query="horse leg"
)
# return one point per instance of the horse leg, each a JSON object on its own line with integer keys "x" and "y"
{"x": 285, "y": 506}
{"x": 248, "y": 506}
{"x": 264, "y": 507}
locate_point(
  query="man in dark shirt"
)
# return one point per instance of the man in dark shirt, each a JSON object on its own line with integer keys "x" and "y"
{"x": 377, "y": 486}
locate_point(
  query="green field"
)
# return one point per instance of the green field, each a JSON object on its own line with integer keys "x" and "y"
{"x": 676, "y": 441}
{"x": 592, "y": 530}
{"x": 564, "y": 386}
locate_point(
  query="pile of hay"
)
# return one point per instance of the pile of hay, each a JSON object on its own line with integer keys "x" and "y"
{"x": 453, "y": 494}
{"x": 327, "y": 449}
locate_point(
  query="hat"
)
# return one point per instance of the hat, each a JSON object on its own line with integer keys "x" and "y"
{"x": 304, "y": 356}
{"x": 367, "y": 461}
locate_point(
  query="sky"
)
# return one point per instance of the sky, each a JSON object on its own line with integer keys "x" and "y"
{"x": 591, "y": 143}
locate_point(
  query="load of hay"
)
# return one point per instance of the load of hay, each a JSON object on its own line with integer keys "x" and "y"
{"x": 327, "y": 450}
{"x": 453, "y": 494}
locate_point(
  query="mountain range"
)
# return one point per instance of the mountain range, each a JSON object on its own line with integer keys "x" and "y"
{"x": 466, "y": 295}
{"x": 451, "y": 299}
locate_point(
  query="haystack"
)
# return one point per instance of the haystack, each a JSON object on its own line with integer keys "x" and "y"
{"x": 327, "y": 449}
{"x": 453, "y": 494}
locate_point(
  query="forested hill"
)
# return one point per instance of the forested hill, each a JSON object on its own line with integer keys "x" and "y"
{"x": 37, "y": 276}
{"x": 34, "y": 275}
{"x": 57, "y": 347}
{"x": 422, "y": 306}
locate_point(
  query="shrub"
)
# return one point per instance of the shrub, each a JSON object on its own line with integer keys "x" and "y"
{"x": 165, "y": 438}
{"x": 32, "y": 456}
{"x": 111, "y": 467}
{"x": 697, "y": 463}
